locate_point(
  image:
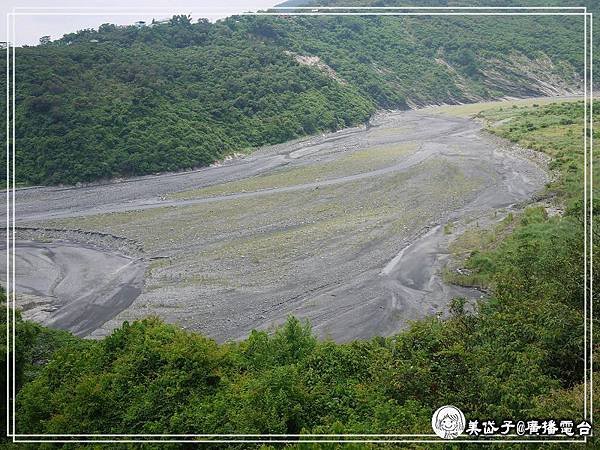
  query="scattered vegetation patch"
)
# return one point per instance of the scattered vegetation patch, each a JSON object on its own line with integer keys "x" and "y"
{"x": 357, "y": 162}
{"x": 556, "y": 130}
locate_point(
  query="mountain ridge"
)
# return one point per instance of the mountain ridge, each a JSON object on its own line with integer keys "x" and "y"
{"x": 126, "y": 101}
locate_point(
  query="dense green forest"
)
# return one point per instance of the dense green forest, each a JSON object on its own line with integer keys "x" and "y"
{"x": 131, "y": 106}
{"x": 591, "y": 5}
{"x": 518, "y": 355}
{"x": 123, "y": 101}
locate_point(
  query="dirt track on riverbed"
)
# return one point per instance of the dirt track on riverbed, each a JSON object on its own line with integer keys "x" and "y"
{"x": 346, "y": 229}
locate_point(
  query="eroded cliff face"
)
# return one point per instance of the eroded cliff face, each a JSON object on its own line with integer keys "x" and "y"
{"x": 316, "y": 62}
{"x": 517, "y": 76}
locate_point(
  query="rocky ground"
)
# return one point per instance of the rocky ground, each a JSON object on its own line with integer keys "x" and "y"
{"x": 346, "y": 229}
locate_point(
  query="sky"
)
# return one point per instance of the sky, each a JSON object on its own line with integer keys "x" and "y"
{"x": 54, "y": 18}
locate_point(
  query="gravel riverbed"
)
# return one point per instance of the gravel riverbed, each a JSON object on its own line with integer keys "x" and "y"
{"x": 345, "y": 229}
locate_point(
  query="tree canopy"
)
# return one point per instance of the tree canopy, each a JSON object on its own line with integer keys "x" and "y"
{"x": 128, "y": 100}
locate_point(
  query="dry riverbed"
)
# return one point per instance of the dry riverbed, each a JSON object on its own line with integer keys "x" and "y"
{"x": 348, "y": 229}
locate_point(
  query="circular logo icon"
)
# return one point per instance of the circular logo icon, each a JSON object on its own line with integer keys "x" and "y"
{"x": 448, "y": 422}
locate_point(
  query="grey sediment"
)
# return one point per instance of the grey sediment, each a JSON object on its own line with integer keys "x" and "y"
{"x": 225, "y": 264}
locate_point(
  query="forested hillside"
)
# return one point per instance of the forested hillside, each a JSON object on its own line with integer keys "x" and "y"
{"x": 590, "y": 4}
{"x": 176, "y": 96}
{"x": 122, "y": 101}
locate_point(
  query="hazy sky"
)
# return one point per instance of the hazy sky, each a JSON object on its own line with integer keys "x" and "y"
{"x": 69, "y": 18}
